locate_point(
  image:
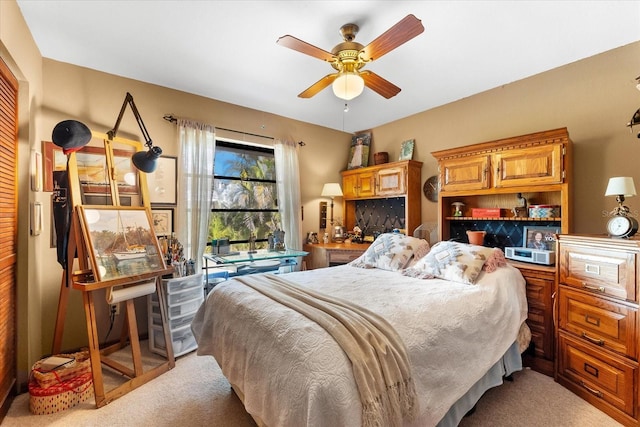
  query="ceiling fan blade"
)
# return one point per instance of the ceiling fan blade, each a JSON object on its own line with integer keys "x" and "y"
{"x": 402, "y": 32}
{"x": 379, "y": 85}
{"x": 306, "y": 48}
{"x": 318, "y": 86}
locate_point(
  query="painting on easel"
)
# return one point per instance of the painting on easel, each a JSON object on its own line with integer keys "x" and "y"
{"x": 121, "y": 241}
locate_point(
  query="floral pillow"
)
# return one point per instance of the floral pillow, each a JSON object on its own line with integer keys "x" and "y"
{"x": 390, "y": 251}
{"x": 458, "y": 262}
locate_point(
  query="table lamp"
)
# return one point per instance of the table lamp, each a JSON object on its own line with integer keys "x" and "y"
{"x": 331, "y": 190}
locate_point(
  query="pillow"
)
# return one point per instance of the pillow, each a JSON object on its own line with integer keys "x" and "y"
{"x": 495, "y": 260}
{"x": 390, "y": 251}
{"x": 458, "y": 262}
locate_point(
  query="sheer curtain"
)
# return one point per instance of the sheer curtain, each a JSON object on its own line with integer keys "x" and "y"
{"x": 288, "y": 175}
{"x": 195, "y": 184}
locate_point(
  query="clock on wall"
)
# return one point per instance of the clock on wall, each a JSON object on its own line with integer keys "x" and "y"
{"x": 431, "y": 188}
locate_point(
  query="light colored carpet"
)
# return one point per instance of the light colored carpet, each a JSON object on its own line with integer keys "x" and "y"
{"x": 195, "y": 393}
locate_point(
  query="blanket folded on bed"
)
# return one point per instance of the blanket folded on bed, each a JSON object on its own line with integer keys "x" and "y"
{"x": 377, "y": 354}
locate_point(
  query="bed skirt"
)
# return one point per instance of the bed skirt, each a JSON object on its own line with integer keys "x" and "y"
{"x": 511, "y": 362}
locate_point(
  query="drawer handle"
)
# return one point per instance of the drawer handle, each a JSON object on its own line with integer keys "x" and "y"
{"x": 596, "y": 393}
{"x": 593, "y": 288}
{"x": 592, "y": 340}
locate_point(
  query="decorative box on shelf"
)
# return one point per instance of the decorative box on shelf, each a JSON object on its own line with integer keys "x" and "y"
{"x": 486, "y": 212}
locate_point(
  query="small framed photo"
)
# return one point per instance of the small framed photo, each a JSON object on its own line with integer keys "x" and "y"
{"x": 406, "y": 149}
{"x": 540, "y": 238}
{"x": 359, "y": 151}
{"x": 162, "y": 221}
{"x": 162, "y": 183}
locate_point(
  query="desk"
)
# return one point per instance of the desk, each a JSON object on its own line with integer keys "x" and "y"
{"x": 260, "y": 261}
{"x": 327, "y": 254}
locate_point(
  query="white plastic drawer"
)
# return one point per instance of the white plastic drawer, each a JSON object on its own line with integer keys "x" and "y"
{"x": 184, "y": 296}
{"x": 183, "y": 283}
{"x": 175, "y": 323}
{"x": 182, "y": 340}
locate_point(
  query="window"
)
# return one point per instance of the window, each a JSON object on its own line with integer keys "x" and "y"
{"x": 245, "y": 198}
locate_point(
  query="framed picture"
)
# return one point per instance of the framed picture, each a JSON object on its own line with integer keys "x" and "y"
{"x": 163, "y": 182}
{"x": 359, "y": 151}
{"x": 406, "y": 149}
{"x": 121, "y": 241}
{"x": 162, "y": 220}
{"x": 541, "y": 238}
{"x": 92, "y": 169}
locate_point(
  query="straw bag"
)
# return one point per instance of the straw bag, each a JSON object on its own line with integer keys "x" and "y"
{"x": 60, "y": 389}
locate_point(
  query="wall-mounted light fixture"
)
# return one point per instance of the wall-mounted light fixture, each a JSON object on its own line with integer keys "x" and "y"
{"x": 145, "y": 161}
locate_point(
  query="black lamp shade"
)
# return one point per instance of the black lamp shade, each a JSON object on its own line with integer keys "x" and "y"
{"x": 71, "y": 135}
{"x": 147, "y": 161}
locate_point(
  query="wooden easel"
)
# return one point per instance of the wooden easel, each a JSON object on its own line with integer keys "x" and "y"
{"x": 87, "y": 281}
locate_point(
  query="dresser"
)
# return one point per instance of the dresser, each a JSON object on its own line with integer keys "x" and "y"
{"x": 597, "y": 322}
{"x": 328, "y": 254}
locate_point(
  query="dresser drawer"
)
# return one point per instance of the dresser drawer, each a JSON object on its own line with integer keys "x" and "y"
{"x": 342, "y": 257}
{"x": 602, "y": 375}
{"x": 601, "y": 322}
{"x": 604, "y": 272}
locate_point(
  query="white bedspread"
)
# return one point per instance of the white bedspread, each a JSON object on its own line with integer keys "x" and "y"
{"x": 292, "y": 373}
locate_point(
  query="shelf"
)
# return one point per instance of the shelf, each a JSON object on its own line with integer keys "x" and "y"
{"x": 501, "y": 218}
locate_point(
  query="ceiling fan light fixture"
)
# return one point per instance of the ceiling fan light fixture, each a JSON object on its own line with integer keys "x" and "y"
{"x": 347, "y": 86}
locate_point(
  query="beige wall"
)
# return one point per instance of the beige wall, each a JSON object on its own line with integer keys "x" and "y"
{"x": 593, "y": 98}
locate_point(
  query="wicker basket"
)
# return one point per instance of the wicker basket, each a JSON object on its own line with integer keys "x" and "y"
{"x": 64, "y": 395}
{"x": 80, "y": 366}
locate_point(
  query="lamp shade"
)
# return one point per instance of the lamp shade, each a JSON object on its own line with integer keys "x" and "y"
{"x": 621, "y": 186}
{"x": 147, "y": 161}
{"x": 347, "y": 86}
{"x": 331, "y": 189}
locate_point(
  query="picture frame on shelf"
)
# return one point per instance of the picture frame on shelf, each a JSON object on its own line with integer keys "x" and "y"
{"x": 540, "y": 237}
{"x": 162, "y": 183}
{"x": 359, "y": 150}
{"x": 162, "y": 220}
{"x": 406, "y": 150}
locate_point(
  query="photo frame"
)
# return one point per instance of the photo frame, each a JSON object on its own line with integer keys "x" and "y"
{"x": 359, "y": 151}
{"x": 162, "y": 220}
{"x": 121, "y": 241}
{"x": 406, "y": 149}
{"x": 92, "y": 169}
{"x": 540, "y": 238}
{"x": 162, "y": 183}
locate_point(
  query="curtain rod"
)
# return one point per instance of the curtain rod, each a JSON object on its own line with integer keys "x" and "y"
{"x": 171, "y": 118}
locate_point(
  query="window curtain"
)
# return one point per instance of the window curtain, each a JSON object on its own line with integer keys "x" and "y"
{"x": 195, "y": 184}
{"x": 288, "y": 182}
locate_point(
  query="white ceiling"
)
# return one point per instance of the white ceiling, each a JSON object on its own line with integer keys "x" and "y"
{"x": 226, "y": 50}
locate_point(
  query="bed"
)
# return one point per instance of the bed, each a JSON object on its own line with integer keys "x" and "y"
{"x": 458, "y": 309}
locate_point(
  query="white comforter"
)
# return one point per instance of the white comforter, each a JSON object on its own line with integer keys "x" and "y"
{"x": 292, "y": 373}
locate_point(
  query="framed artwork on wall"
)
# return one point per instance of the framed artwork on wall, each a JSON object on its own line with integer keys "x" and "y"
{"x": 359, "y": 151}
{"x": 162, "y": 220}
{"x": 162, "y": 182}
{"x": 406, "y": 149}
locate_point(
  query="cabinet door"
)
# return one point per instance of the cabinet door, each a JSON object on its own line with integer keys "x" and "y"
{"x": 528, "y": 166}
{"x": 358, "y": 185}
{"x": 465, "y": 173}
{"x": 391, "y": 182}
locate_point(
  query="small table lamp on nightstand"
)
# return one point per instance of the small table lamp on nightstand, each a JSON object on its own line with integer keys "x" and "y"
{"x": 331, "y": 190}
{"x": 621, "y": 222}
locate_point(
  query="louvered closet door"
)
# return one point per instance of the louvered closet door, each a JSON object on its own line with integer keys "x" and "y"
{"x": 8, "y": 232}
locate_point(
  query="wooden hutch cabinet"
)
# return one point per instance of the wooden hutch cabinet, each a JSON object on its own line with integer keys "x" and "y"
{"x": 399, "y": 181}
{"x": 597, "y": 322}
{"x": 495, "y": 174}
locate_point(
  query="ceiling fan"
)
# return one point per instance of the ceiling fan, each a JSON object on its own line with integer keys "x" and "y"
{"x": 349, "y": 57}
